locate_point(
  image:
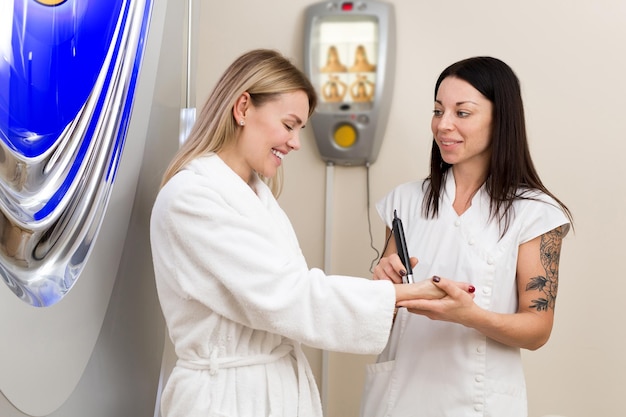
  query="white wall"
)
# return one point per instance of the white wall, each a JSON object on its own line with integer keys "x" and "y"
{"x": 570, "y": 58}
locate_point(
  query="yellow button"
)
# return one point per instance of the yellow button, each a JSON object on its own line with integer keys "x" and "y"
{"x": 345, "y": 136}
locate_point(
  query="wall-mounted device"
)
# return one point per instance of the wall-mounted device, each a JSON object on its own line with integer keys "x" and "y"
{"x": 349, "y": 55}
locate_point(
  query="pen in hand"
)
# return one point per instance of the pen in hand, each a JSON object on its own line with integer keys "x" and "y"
{"x": 403, "y": 252}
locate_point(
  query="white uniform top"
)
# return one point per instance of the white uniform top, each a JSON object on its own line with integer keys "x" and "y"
{"x": 238, "y": 299}
{"x": 435, "y": 368}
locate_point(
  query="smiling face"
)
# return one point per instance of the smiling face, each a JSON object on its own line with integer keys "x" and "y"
{"x": 462, "y": 124}
{"x": 270, "y": 131}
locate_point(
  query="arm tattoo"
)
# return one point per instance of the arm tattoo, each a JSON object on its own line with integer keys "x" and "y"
{"x": 550, "y": 252}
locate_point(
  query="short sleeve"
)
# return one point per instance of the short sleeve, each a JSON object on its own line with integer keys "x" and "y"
{"x": 405, "y": 199}
{"x": 541, "y": 215}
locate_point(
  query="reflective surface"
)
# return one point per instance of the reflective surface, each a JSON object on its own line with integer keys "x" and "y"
{"x": 67, "y": 76}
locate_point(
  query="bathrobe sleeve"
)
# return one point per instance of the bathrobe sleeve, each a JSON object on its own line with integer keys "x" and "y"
{"x": 217, "y": 243}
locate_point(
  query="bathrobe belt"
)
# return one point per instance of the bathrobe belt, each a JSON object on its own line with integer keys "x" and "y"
{"x": 215, "y": 363}
{"x": 309, "y": 396}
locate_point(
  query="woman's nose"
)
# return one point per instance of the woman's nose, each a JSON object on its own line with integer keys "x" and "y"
{"x": 294, "y": 142}
{"x": 445, "y": 122}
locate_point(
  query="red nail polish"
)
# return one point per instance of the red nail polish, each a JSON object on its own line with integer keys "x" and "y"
{"x": 471, "y": 289}
{"x": 436, "y": 279}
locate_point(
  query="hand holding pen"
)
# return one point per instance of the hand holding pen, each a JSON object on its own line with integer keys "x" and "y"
{"x": 391, "y": 268}
{"x": 398, "y": 267}
{"x": 403, "y": 252}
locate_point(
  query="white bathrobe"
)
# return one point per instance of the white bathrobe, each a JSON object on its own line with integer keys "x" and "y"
{"x": 238, "y": 299}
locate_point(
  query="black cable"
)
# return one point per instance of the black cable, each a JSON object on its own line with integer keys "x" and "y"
{"x": 369, "y": 221}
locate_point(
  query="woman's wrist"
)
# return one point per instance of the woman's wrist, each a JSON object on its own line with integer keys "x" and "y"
{"x": 419, "y": 290}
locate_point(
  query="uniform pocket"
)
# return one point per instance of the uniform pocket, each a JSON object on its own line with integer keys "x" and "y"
{"x": 380, "y": 390}
{"x": 507, "y": 399}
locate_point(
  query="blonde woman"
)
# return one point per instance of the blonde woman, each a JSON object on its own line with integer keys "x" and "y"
{"x": 237, "y": 295}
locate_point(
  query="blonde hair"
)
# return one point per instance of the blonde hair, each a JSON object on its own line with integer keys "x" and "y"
{"x": 264, "y": 74}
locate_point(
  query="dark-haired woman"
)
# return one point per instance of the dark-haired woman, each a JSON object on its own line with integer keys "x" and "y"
{"x": 482, "y": 216}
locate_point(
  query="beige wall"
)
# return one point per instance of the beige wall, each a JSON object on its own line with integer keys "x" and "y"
{"x": 570, "y": 58}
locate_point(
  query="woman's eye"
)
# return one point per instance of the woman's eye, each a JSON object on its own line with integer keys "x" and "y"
{"x": 289, "y": 128}
{"x": 437, "y": 113}
{"x": 462, "y": 113}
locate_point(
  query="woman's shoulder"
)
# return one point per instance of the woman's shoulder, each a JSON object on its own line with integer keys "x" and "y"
{"x": 409, "y": 189}
{"x": 406, "y": 198}
{"x": 199, "y": 171}
{"x": 527, "y": 197}
{"x": 193, "y": 183}
{"x": 536, "y": 209}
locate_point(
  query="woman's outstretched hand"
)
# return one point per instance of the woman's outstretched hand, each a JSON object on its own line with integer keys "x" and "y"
{"x": 408, "y": 295}
{"x": 391, "y": 268}
{"x": 453, "y": 306}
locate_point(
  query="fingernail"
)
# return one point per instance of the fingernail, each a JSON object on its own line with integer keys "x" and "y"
{"x": 403, "y": 272}
{"x": 436, "y": 279}
{"x": 471, "y": 289}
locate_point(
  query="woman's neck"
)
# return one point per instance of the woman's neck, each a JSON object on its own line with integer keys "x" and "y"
{"x": 467, "y": 183}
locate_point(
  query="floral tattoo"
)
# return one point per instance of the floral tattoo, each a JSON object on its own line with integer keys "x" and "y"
{"x": 550, "y": 252}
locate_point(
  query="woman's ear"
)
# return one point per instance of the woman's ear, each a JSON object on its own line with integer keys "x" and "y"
{"x": 241, "y": 107}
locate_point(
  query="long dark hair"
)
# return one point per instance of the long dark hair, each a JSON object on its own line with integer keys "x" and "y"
{"x": 511, "y": 171}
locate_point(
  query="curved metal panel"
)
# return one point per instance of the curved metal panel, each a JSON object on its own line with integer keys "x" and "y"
{"x": 67, "y": 78}
{"x": 68, "y": 73}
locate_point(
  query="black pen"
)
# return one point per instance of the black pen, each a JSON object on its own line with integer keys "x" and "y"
{"x": 403, "y": 252}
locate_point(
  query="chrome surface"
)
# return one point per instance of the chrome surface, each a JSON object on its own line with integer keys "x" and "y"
{"x": 52, "y": 202}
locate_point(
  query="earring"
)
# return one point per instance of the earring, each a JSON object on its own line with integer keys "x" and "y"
{"x": 242, "y": 122}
